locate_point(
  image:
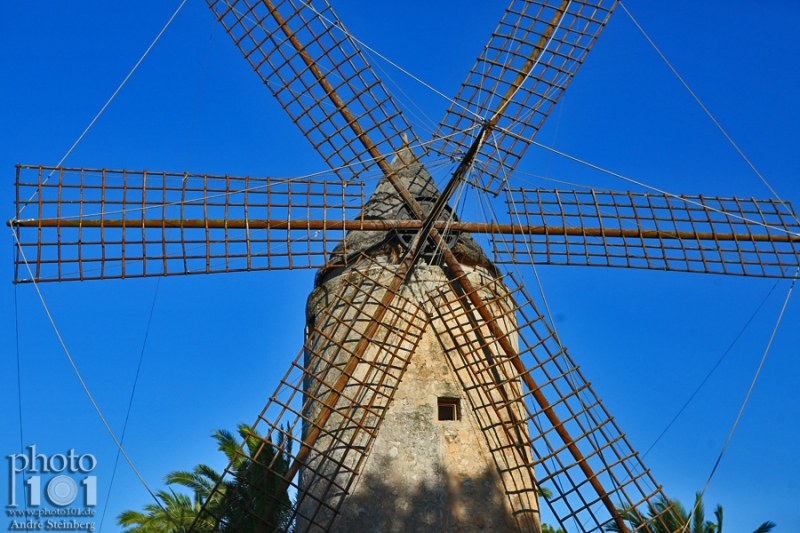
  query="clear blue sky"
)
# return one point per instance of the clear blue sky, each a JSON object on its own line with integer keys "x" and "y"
{"x": 219, "y": 344}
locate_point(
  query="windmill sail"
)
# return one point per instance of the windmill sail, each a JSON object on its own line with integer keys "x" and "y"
{"x": 743, "y": 237}
{"x": 523, "y": 70}
{"x": 320, "y": 77}
{"x": 99, "y": 224}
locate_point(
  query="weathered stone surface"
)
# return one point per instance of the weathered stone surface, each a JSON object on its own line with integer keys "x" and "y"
{"x": 423, "y": 474}
{"x": 420, "y": 474}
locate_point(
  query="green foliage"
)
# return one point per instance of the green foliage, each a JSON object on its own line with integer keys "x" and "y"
{"x": 547, "y": 528}
{"x": 176, "y": 514}
{"x": 251, "y": 485}
{"x": 669, "y": 516}
{"x": 253, "y": 488}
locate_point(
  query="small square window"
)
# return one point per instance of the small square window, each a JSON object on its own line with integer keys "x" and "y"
{"x": 449, "y": 409}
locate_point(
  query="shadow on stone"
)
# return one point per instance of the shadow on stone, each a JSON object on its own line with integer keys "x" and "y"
{"x": 379, "y": 505}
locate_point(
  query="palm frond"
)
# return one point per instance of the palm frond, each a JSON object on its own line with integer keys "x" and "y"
{"x": 766, "y": 527}
{"x": 259, "y": 465}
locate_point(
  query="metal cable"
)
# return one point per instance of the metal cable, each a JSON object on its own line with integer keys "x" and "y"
{"x": 705, "y": 109}
{"x": 491, "y": 217}
{"x": 714, "y": 368}
{"x": 570, "y": 368}
{"x": 536, "y": 63}
{"x": 671, "y": 195}
{"x": 102, "y": 109}
{"x": 276, "y": 181}
{"x": 86, "y": 388}
{"x": 130, "y": 403}
{"x": 744, "y": 403}
{"x": 341, "y": 27}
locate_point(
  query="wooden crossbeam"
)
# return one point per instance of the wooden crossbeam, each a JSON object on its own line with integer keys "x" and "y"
{"x": 386, "y": 225}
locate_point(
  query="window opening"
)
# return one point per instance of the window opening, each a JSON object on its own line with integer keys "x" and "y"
{"x": 449, "y": 409}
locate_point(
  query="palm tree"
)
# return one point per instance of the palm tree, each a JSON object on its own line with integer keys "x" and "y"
{"x": 251, "y": 486}
{"x": 544, "y": 492}
{"x": 202, "y": 479}
{"x": 174, "y": 513}
{"x": 249, "y": 497}
{"x": 669, "y": 516}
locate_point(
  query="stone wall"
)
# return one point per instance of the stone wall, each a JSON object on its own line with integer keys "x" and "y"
{"x": 423, "y": 474}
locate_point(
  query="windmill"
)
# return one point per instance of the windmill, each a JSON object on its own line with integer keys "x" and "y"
{"x": 186, "y": 222}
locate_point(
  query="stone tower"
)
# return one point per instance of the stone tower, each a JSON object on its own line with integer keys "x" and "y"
{"x": 439, "y": 462}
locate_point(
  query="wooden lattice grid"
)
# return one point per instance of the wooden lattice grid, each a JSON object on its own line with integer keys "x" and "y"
{"x": 100, "y": 224}
{"x": 521, "y": 73}
{"x": 555, "y": 423}
{"x": 319, "y": 425}
{"x": 320, "y": 77}
{"x": 734, "y": 236}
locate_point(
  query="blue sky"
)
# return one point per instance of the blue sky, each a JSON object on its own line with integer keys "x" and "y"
{"x": 218, "y": 344}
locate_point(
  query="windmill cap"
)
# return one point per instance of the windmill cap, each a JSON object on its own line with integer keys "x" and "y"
{"x": 386, "y": 204}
